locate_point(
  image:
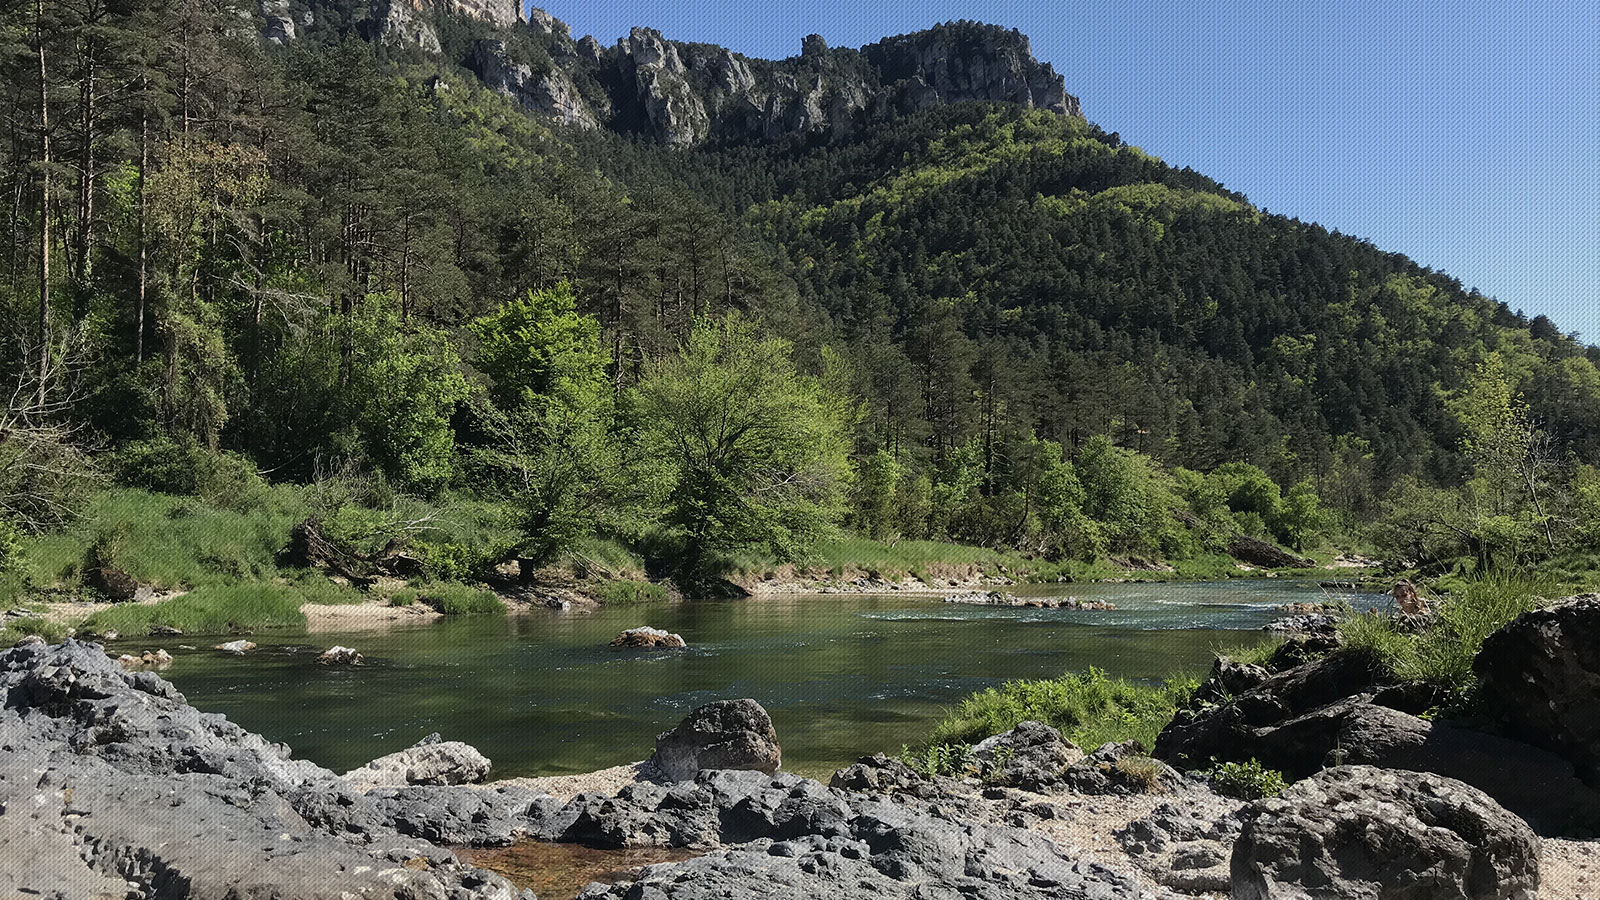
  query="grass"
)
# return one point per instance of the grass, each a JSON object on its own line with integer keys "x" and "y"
{"x": 451, "y": 599}
{"x": 169, "y": 542}
{"x": 1257, "y": 654}
{"x": 625, "y": 592}
{"x": 210, "y": 609}
{"x": 1090, "y": 709}
{"x": 1142, "y": 770}
{"x": 15, "y": 628}
{"x": 1442, "y": 655}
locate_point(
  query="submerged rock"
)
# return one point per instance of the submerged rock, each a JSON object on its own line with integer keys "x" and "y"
{"x": 340, "y": 656}
{"x": 725, "y": 734}
{"x": 1358, "y": 832}
{"x": 647, "y": 638}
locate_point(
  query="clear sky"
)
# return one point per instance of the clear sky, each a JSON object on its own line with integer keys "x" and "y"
{"x": 1463, "y": 134}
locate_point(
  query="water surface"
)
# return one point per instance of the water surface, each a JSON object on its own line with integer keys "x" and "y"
{"x": 842, "y": 675}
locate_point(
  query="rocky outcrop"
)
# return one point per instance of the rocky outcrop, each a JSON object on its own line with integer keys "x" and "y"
{"x": 1121, "y": 768}
{"x": 1362, "y": 833}
{"x": 647, "y": 638}
{"x": 1182, "y": 847}
{"x": 1540, "y": 674}
{"x": 431, "y": 762}
{"x": 724, "y": 734}
{"x": 112, "y": 785}
{"x": 691, "y": 94}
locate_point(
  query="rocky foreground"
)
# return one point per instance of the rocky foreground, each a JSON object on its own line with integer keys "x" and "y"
{"x": 111, "y": 785}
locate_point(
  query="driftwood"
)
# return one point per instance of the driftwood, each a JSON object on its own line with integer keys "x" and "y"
{"x": 1265, "y": 554}
{"x": 309, "y": 548}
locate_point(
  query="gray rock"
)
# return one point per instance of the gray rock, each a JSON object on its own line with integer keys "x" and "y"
{"x": 1031, "y": 756}
{"x": 1121, "y": 768}
{"x": 479, "y": 818}
{"x": 725, "y": 734}
{"x": 1541, "y": 674}
{"x": 109, "y": 777}
{"x": 434, "y": 762}
{"x": 1358, "y": 832}
{"x": 1228, "y": 679}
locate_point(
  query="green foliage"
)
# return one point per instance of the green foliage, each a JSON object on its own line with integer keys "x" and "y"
{"x": 554, "y": 451}
{"x": 936, "y": 760}
{"x": 163, "y": 465}
{"x": 15, "y": 628}
{"x": 455, "y": 599}
{"x": 1247, "y": 780}
{"x": 1143, "y": 770}
{"x": 1090, "y": 709}
{"x": 624, "y": 592}
{"x": 210, "y": 609}
{"x": 1442, "y": 654}
{"x": 750, "y": 452}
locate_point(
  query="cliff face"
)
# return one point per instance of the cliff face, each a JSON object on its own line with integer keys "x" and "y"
{"x": 689, "y": 94}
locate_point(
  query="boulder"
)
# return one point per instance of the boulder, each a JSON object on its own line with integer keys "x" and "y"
{"x": 1029, "y": 756}
{"x": 647, "y": 638}
{"x": 877, "y": 774}
{"x": 1123, "y": 769}
{"x": 1265, "y": 554}
{"x": 114, "y": 786}
{"x": 117, "y": 585}
{"x": 1538, "y": 786}
{"x": 238, "y": 648}
{"x": 725, "y": 734}
{"x": 1540, "y": 674}
{"x": 1310, "y": 623}
{"x": 340, "y": 656}
{"x": 437, "y": 762}
{"x": 1228, "y": 679}
{"x": 1184, "y": 847}
{"x": 1364, "y": 833}
{"x": 156, "y": 659}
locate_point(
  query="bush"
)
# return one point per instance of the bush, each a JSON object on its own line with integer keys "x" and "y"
{"x": 1090, "y": 709}
{"x": 1247, "y": 780}
{"x": 166, "y": 466}
{"x": 1442, "y": 654}
{"x": 210, "y": 609}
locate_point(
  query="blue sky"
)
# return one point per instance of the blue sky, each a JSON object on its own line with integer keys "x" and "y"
{"x": 1463, "y": 134}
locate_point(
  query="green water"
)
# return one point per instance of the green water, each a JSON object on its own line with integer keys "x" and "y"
{"x": 842, "y": 675}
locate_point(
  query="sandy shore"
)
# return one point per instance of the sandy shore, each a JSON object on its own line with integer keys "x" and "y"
{"x": 375, "y": 614}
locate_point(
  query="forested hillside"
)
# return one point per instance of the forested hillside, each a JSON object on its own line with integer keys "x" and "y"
{"x": 342, "y": 259}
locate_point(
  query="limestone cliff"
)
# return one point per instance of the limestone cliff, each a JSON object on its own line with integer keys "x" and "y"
{"x": 686, "y": 94}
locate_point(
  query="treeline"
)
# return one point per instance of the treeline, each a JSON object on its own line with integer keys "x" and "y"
{"x": 226, "y": 261}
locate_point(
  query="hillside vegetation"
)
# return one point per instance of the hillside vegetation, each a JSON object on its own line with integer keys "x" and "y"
{"x": 351, "y": 270}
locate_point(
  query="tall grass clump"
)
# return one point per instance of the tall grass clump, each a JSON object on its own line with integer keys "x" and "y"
{"x": 452, "y": 599}
{"x": 1090, "y": 709}
{"x": 210, "y": 609}
{"x": 624, "y": 592}
{"x": 1442, "y": 654}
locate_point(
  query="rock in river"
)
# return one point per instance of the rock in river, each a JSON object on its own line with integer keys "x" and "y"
{"x": 238, "y": 648}
{"x": 725, "y": 734}
{"x": 1363, "y": 833}
{"x": 340, "y": 656}
{"x": 647, "y": 638}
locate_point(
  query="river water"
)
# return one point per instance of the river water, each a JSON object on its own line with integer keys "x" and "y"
{"x": 842, "y": 675}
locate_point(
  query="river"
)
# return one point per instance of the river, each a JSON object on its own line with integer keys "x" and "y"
{"x": 842, "y": 675}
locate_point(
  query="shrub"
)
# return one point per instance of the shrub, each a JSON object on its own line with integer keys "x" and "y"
{"x": 1247, "y": 780}
{"x": 952, "y": 760}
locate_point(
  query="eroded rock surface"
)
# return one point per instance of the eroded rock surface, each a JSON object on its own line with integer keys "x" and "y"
{"x": 1362, "y": 833}
{"x": 427, "y": 763}
{"x": 110, "y": 778}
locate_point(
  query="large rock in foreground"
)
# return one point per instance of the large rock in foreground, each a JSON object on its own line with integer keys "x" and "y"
{"x": 1362, "y": 833}
{"x": 113, "y": 786}
{"x": 428, "y": 763}
{"x": 1541, "y": 674}
{"x": 725, "y": 734}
